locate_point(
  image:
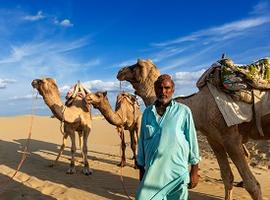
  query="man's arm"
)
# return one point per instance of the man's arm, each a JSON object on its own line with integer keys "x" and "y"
{"x": 194, "y": 176}
{"x": 194, "y": 156}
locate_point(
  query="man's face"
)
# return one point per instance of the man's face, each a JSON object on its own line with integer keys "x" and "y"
{"x": 164, "y": 91}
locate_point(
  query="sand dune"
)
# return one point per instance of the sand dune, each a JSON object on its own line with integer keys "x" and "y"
{"x": 36, "y": 180}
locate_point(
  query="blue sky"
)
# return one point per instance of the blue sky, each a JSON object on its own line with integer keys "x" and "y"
{"x": 90, "y": 41}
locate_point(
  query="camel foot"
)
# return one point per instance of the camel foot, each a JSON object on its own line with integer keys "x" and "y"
{"x": 122, "y": 164}
{"x": 86, "y": 171}
{"x": 71, "y": 170}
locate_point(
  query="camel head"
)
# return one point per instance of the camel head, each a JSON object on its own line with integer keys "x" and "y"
{"x": 45, "y": 86}
{"x": 142, "y": 76}
{"x": 138, "y": 72}
{"x": 96, "y": 99}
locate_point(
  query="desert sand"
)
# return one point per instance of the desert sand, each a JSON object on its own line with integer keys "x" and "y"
{"x": 36, "y": 181}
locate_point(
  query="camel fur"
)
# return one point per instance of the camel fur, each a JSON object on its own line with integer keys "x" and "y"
{"x": 76, "y": 118}
{"x": 225, "y": 141}
{"x": 127, "y": 116}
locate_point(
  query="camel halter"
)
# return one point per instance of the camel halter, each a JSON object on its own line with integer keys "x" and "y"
{"x": 25, "y": 151}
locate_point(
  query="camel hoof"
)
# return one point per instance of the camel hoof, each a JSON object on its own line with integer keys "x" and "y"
{"x": 87, "y": 171}
{"x": 71, "y": 171}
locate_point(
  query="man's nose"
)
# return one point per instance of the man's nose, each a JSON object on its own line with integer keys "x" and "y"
{"x": 163, "y": 90}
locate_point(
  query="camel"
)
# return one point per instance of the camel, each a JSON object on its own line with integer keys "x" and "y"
{"x": 225, "y": 141}
{"x": 76, "y": 118}
{"x": 127, "y": 116}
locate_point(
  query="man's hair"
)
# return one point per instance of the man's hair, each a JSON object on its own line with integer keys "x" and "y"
{"x": 163, "y": 77}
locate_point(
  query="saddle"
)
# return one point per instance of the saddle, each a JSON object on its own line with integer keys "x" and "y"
{"x": 244, "y": 83}
{"x": 77, "y": 91}
{"x": 132, "y": 99}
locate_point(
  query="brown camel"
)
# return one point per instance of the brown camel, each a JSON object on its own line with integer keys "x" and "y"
{"x": 225, "y": 141}
{"x": 76, "y": 118}
{"x": 127, "y": 116}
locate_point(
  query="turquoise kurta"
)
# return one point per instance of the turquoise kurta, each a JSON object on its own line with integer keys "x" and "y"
{"x": 166, "y": 148}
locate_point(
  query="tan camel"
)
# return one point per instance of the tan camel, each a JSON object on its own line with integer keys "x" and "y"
{"x": 225, "y": 141}
{"x": 76, "y": 118}
{"x": 127, "y": 116}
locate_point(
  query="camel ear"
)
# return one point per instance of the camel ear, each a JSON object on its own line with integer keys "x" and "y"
{"x": 105, "y": 93}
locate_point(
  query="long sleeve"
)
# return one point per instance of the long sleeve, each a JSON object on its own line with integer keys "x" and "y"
{"x": 191, "y": 137}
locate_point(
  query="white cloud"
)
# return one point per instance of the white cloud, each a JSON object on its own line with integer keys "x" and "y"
{"x": 28, "y": 96}
{"x": 99, "y": 85}
{"x": 187, "y": 78}
{"x": 5, "y": 82}
{"x": 64, "y": 23}
{"x": 223, "y": 30}
{"x": 36, "y": 17}
{"x": 237, "y": 26}
{"x": 64, "y": 89}
{"x": 49, "y": 52}
{"x": 261, "y": 8}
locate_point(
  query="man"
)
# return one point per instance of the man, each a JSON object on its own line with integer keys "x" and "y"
{"x": 167, "y": 145}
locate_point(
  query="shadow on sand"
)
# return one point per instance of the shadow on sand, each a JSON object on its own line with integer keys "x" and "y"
{"x": 100, "y": 183}
{"x": 11, "y": 189}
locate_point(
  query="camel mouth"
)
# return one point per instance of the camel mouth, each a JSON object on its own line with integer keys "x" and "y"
{"x": 121, "y": 73}
{"x": 35, "y": 83}
{"x": 120, "y": 76}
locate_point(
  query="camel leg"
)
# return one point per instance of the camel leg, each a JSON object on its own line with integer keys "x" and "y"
{"x": 233, "y": 145}
{"x": 133, "y": 143}
{"x": 72, "y": 169}
{"x": 225, "y": 169}
{"x": 86, "y": 170}
{"x": 123, "y": 147}
{"x": 61, "y": 150}
{"x": 247, "y": 154}
{"x": 80, "y": 133}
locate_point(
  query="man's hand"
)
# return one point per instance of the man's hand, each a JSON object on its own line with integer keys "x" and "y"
{"x": 194, "y": 176}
